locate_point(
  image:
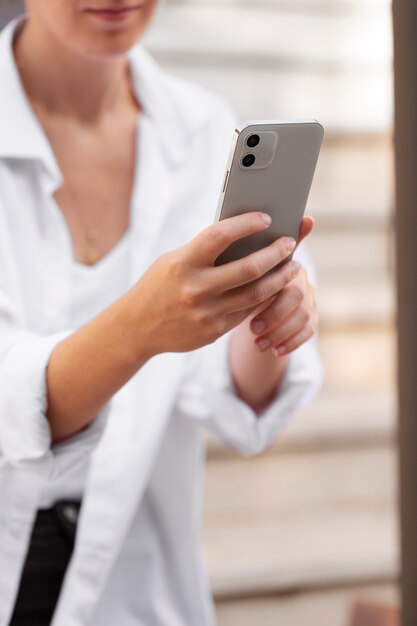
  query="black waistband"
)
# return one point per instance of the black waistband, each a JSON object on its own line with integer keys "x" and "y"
{"x": 66, "y": 513}
{"x": 47, "y": 559}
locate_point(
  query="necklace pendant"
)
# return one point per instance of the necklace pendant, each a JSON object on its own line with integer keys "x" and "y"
{"x": 91, "y": 255}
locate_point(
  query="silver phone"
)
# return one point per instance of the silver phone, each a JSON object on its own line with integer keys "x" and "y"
{"x": 270, "y": 168}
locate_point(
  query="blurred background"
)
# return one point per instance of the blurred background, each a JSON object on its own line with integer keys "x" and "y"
{"x": 297, "y": 535}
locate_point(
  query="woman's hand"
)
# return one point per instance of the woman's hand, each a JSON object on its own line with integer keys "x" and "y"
{"x": 291, "y": 318}
{"x": 184, "y": 301}
{"x": 181, "y": 303}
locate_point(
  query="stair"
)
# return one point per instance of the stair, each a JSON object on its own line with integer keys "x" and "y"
{"x": 335, "y": 420}
{"x": 281, "y": 522}
{"x": 326, "y": 607}
{"x": 298, "y": 534}
{"x": 271, "y": 59}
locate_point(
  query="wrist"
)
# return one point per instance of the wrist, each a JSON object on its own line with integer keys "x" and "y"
{"x": 257, "y": 376}
{"x": 135, "y": 331}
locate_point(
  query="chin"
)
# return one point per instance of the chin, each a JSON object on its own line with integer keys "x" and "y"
{"x": 99, "y": 37}
{"x": 101, "y": 45}
{"x": 113, "y": 35}
{"x": 108, "y": 47}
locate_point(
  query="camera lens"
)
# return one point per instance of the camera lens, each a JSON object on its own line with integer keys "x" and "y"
{"x": 248, "y": 160}
{"x": 252, "y": 141}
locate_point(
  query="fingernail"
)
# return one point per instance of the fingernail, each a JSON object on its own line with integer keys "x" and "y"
{"x": 259, "y": 326}
{"x": 281, "y": 350}
{"x": 263, "y": 344}
{"x": 295, "y": 267}
{"x": 289, "y": 243}
{"x": 266, "y": 218}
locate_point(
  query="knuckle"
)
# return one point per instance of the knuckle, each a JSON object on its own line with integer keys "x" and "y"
{"x": 296, "y": 292}
{"x": 304, "y": 315}
{"x": 190, "y": 296}
{"x": 303, "y": 273}
{"x": 201, "y": 318}
{"x": 277, "y": 309}
{"x": 275, "y": 338}
{"x": 219, "y": 327}
{"x": 311, "y": 329}
{"x": 219, "y": 235}
{"x": 175, "y": 262}
{"x": 215, "y": 328}
{"x": 282, "y": 247}
{"x": 251, "y": 269}
{"x": 274, "y": 310}
{"x": 280, "y": 250}
{"x": 257, "y": 295}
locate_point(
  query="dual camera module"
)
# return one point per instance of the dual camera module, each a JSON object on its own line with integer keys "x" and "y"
{"x": 249, "y": 159}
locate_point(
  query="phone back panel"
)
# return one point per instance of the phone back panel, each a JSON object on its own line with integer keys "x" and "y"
{"x": 279, "y": 188}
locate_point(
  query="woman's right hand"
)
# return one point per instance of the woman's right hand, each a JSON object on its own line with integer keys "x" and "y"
{"x": 184, "y": 301}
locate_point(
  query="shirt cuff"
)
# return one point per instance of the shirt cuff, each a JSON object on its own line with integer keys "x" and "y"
{"x": 236, "y": 422}
{"x": 24, "y": 429}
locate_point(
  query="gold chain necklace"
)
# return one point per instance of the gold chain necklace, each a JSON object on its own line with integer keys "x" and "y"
{"x": 91, "y": 253}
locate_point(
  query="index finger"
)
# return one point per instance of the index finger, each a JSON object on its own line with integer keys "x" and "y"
{"x": 215, "y": 239}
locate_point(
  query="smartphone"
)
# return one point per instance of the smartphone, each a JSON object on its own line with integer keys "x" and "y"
{"x": 270, "y": 169}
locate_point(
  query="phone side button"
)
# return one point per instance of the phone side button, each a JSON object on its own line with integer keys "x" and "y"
{"x": 226, "y": 178}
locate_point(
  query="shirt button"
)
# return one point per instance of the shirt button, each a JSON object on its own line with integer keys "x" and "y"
{"x": 70, "y": 512}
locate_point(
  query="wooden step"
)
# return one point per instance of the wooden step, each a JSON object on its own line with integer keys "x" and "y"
{"x": 273, "y": 33}
{"x": 283, "y": 93}
{"x": 359, "y": 299}
{"x": 335, "y": 420}
{"x": 275, "y": 524}
{"x": 318, "y": 6}
{"x": 359, "y": 359}
{"x": 321, "y": 608}
{"x": 373, "y": 613}
{"x": 276, "y": 63}
{"x": 343, "y": 253}
{"x": 354, "y": 179}
{"x": 360, "y": 380}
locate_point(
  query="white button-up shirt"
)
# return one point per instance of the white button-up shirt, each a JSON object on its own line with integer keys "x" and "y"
{"x": 137, "y": 557}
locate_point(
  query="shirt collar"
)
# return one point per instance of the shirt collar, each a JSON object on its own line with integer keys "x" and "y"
{"x": 21, "y": 134}
{"x": 176, "y": 112}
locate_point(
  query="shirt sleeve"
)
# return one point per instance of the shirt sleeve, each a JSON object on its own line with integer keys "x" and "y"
{"x": 24, "y": 428}
{"x": 207, "y": 394}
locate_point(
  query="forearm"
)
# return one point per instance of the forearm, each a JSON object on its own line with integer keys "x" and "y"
{"x": 257, "y": 376}
{"x": 90, "y": 366}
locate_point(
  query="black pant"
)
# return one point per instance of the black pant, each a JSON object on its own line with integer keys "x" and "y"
{"x": 47, "y": 559}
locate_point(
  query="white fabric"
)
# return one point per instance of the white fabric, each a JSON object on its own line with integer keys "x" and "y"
{"x": 93, "y": 288}
{"x": 137, "y": 556}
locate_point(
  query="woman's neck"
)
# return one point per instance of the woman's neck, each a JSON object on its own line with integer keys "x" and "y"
{"x": 62, "y": 81}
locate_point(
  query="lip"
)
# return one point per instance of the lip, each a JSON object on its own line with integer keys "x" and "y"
{"x": 114, "y": 14}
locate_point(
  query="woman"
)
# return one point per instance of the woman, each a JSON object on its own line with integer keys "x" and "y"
{"x": 116, "y": 339}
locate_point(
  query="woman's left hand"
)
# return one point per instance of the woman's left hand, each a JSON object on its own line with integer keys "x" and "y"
{"x": 291, "y": 317}
{"x": 289, "y": 320}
